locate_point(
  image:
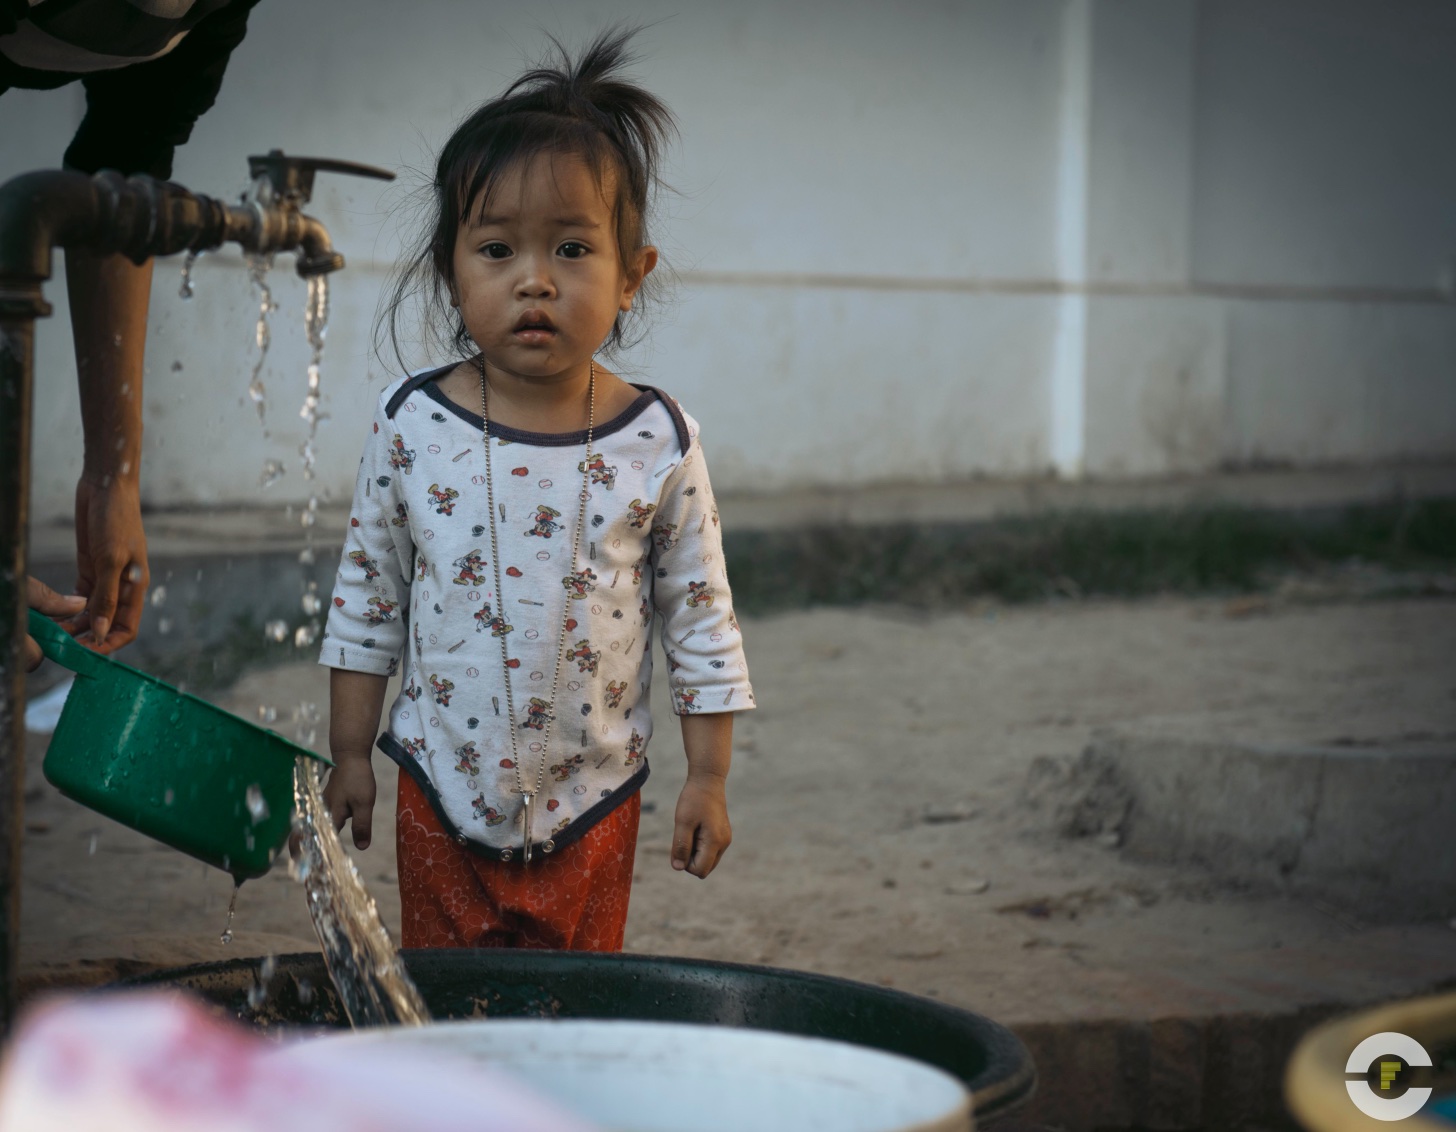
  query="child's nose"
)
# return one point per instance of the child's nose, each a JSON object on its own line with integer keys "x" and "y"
{"x": 535, "y": 281}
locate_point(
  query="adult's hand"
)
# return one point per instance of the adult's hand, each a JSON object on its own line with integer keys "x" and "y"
{"x": 41, "y": 597}
{"x": 111, "y": 561}
{"x": 109, "y": 296}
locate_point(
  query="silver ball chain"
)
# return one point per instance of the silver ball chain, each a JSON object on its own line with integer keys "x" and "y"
{"x": 528, "y": 796}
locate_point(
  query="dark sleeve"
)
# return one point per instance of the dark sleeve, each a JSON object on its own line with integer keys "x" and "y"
{"x": 137, "y": 116}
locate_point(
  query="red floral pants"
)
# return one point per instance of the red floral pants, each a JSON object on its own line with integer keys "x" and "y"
{"x": 572, "y": 900}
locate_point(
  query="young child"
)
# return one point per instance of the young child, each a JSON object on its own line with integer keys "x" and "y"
{"x": 521, "y": 518}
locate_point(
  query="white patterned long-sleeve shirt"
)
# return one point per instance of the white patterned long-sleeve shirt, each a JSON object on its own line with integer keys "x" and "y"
{"x": 416, "y": 580}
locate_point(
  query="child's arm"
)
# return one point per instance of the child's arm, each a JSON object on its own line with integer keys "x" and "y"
{"x": 701, "y": 832}
{"x": 355, "y": 701}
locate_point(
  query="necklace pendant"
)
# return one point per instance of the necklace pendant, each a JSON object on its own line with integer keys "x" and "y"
{"x": 527, "y": 806}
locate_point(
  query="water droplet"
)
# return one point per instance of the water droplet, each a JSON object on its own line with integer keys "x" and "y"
{"x": 134, "y": 574}
{"x": 273, "y": 471}
{"x": 276, "y": 631}
{"x": 305, "y": 635}
{"x": 169, "y": 797}
{"x": 159, "y": 596}
{"x": 306, "y": 556}
{"x": 267, "y": 714}
{"x": 257, "y": 804}
{"x": 311, "y": 603}
{"x": 91, "y": 846}
{"x": 227, "y": 929}
{"x": 164, "y": 625}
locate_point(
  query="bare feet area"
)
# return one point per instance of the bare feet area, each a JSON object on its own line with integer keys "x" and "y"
{"x": 881, "y": 830}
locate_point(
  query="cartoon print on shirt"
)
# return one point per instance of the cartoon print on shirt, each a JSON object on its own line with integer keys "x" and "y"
{"x": 585, "y": 656}
{"x": 383, "y": 611}
{"x": 715, "y": 513}
{"x": 634, "y": 748}
{"x": 444, "y": 498}
{"x": 401, "y": 459}
{"x": 600, "y": 472}
{"x": 538, "y": 712}
{"x": 486, "y": 619}
{"x": 579, "y": 583}
{"x": 472, "y": 569}
{"x": 491, "y": 815}
{"x": 365, "y": 563}
{"x": 459, "y": 751}
{"x": 545, "y": 521}
{"x": 640, "y": 513}
{"x": 467, "y": 759}
{"x": 732, "y": 621}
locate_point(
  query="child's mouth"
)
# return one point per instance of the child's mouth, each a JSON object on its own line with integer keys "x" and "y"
{"x": 534, "y": 327}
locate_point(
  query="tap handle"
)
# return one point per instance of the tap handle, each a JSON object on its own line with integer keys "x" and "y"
{"x": 292, "y": 177}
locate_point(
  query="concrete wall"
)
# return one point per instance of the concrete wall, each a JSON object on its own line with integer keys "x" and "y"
{"x": 914, "y": 244}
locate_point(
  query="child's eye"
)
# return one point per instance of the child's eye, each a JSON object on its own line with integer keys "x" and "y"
{"x": 495, "y": 250}
{"x": 572, "y": 250}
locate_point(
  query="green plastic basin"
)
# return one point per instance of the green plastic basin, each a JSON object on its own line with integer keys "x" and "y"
{"x": 172, "y": 766}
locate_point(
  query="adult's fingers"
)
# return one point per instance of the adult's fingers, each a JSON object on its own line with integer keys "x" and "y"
{"x": 30, "y": 655}
{"x": 42, "y": 598}
{"x": 127, "y": 611}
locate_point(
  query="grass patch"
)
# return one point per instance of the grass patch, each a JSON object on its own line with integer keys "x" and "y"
{"x": 1120, "y": 554}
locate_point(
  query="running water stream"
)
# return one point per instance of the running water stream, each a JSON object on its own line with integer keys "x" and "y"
{"x": 258, "y": 274}
{"x": 372, "y": 982}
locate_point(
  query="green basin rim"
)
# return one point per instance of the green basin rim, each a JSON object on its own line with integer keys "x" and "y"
{"x": 471, "y": 982}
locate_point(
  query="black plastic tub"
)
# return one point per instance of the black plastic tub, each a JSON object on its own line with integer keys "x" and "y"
{"x": 460, "y": 983}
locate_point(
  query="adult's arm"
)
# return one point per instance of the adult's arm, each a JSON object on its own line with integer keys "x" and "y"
{"x": 108, "y": 297}
{"x": 135, "y": 118}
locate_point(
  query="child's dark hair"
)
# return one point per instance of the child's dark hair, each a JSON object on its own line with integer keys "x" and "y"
{"x": 576, "y": 106}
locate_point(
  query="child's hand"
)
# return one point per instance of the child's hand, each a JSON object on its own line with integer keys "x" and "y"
{"x": 701, "y": 832}
{"x": 349, "y": 796}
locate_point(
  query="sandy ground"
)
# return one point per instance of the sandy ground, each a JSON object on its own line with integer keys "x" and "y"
{"x": 876, "y": 800}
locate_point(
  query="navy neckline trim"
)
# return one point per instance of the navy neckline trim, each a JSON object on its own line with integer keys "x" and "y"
{"x": 427, "y": 383}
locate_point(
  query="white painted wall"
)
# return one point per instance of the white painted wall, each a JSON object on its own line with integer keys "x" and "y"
{"x": 916, "y": 243}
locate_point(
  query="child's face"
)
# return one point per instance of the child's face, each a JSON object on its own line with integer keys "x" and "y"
{"x": 538, "y": 278}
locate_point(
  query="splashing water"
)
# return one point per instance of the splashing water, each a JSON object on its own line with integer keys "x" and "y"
{"x": 258, "y": 266}
{"x": 186, "y": 291}
{"x": 273, "y": 471}
{"x": 371, "y": 980}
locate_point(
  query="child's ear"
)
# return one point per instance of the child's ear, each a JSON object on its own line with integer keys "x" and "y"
{"x": 640, "y": 267}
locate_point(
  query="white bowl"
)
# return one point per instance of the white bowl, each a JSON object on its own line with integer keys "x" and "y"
{"x": 678, "y": 1077}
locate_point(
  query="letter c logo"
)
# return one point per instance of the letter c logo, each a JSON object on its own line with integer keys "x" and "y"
{"x": 1366, "y": 1099}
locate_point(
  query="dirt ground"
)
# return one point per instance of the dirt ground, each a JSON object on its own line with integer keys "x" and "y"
{"x": 880, "y": 832}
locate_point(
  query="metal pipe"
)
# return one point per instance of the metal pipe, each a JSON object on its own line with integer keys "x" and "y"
{"x": 140, "y": 218}
{"x": 17, "y": 342}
